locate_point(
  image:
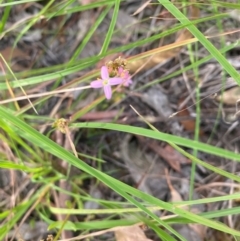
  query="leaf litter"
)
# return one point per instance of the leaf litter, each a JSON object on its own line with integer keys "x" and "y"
{"x": 143, "y": 160}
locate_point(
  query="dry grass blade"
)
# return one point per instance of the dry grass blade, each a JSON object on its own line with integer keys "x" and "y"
{"x": 131, "y": 233}
{"x": 9, "y": 88}
{"x": 171, "y": 50}
{"x": 142, "y": 7}
{"x": 44, "y": 94}
{"x": 175, "y": 196}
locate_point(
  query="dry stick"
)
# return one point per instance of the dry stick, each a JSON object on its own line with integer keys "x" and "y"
{"x": 141, "y": 8}
{"x": 60, "y": 200}
{"x": 216, "y": 184}
{"x": 31, "y": 209}
{"x": 24, "y": 92}
{"x": 213, "y": 95}
{"x": 44, "y": 94}
{"x": 230, "y": 202}
{"x": 70, "y": 141}
{"x": 8, "y": 86}
{"x": 64, "y": 184}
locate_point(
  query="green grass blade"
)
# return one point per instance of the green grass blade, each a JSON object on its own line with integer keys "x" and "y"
{"x": 5, "y": 16}
{"x": 204, "y": 41}
{"x": 90, "y": 33}
{"x": 33, "y": 21}
{"x": 111, "y": 28}
{"x": 162, "y": 137}
{"x": 119, "y": 187}
{"x": 17, "y": 2}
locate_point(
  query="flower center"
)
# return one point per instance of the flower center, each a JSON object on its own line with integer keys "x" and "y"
{"x": 105, "y": 82}
{"x": 123, "y": 75}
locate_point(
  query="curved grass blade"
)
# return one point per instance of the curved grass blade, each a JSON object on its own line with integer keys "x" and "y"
{"x": 119, "y": 187}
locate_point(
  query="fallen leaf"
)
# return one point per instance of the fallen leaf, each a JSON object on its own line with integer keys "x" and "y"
{"x": 175, "y": 196}
{"x": 199, "y": 229}
{"x": 154, "y": 146}
{"x": 147, "y": 173}
{"x": 193, "y": 232}
{"x": 9, "y": 54}
{"x": 235, "y": 14}
{"x": 175, "y": 155}
{"x": 230, "y": 96}
{"x": 159, "y": 101}
{"x": 130, "y": 233}
{"x": 172, "y": 156}
{"x": 187, "y": 122}
{"x": 167, "y": 156}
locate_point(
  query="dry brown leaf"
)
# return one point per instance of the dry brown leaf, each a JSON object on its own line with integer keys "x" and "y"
{"x": 199, "y": 229}
{"x": 145, "y": 171}
{"x": 194, "y": 232}
{"x": 187, "y": 122}
{"x": 173, "y": 157}
{"x": 231, "y": 96}
{"x": 141, "y": 8}
{"x": 176, "y": 156}
{"x": 175, "y": 196}
{"x": 167, "y": 156}
{"x": 161, "y": 152}
{"x": 9, "y": 53}
{"x": 130, "y": 233}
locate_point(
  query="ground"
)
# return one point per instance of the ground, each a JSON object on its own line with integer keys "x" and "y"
{"x": 177, "y": 87}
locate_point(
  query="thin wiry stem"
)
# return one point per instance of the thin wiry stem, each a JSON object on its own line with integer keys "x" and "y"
{"x": 43, "y": 94}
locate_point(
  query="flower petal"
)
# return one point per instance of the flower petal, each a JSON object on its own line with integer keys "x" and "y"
{"x": 115, "y": 81}
{"x": 97, "y": 84}
{"x": 104, "y": 73}
{"x": 120, "y": 70}
{"x": 127, "y": 82}
{"x": 107, "y": 91}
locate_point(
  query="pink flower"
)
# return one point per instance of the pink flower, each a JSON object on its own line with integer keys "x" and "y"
{"x": 124, "y": 74}
{"x": 106, "y": 82}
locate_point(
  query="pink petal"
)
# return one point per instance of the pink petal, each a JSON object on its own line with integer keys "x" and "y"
{"x": 127, "y": 82}
{"x": 96, "y": 84}
{"x": 104, "y": 73}
{"x": 120, "y": 70}
{"x": 107, "y": 91}
{"x": 115, "y": 81}
{"x": 127, "y": 75}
